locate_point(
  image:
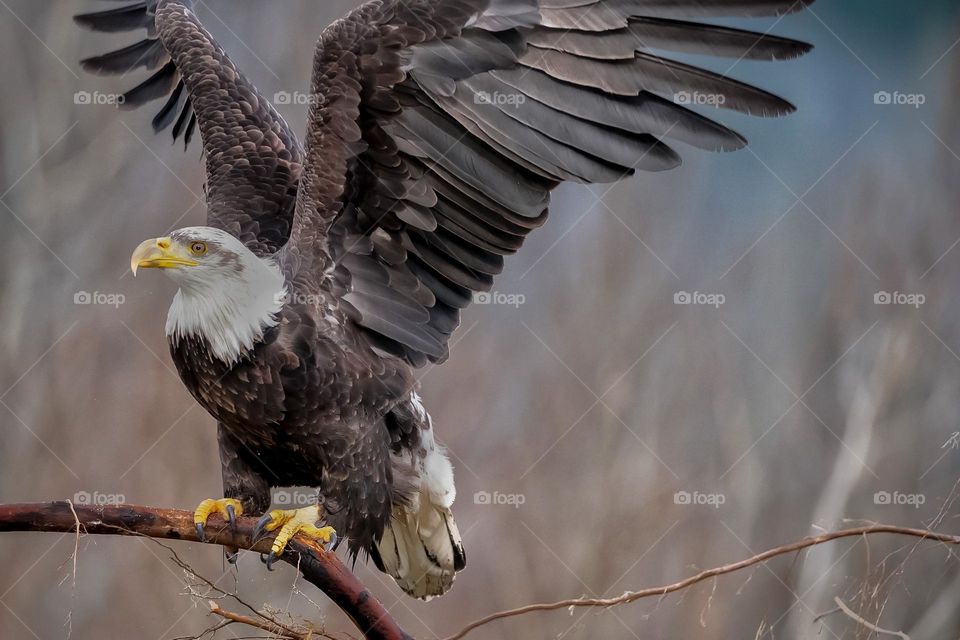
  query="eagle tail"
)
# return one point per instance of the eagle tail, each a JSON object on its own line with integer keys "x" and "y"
{"x": 421, "y": 546}
{"x": 421, "y": 550}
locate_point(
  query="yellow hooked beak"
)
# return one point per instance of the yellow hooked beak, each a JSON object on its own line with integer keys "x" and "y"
{"x": 160, "y": 253}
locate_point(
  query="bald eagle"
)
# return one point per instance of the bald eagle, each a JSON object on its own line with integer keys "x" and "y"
{"x": 329, "y": 270}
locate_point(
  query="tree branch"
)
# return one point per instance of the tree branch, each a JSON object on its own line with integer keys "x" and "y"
{"x": 322, "y": 569}
{"x": 326, "y": 572}
{"x": 631, "y": 596}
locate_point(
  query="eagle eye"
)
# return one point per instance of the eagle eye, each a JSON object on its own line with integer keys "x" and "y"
{"x": 198, "y": 248}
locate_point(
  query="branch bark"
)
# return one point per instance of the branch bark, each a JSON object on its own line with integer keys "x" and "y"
{"x": 322, "y": 569}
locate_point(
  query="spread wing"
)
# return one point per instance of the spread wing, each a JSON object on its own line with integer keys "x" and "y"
{"x": 253, "y": 160}
{"x": 440, "y": 127}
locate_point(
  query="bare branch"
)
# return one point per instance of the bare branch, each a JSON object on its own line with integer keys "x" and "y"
{"x": 320, "y": 568}
{"x": 843, "y": 608}
{"x": 632, "y": 596}
{"x": 265, "y": 625}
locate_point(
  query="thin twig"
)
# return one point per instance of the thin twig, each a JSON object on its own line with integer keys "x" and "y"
{"x": 264, "y": 625}
{"x": 631, "y": 596}
{"x": 73, "y": 573}
{"x": 210, "y": 631}
{"x": 185, "y": 566}
{"x": 843, "y": 608}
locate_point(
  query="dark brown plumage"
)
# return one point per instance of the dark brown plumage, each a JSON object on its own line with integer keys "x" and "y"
{"x": 437, "y": 130}
{"x": 292, "y": 413}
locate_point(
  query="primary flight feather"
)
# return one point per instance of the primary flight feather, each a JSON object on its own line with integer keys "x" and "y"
{"x": 329, "y": 270}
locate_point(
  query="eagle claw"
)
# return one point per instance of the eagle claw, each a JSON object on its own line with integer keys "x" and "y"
{"x": 289, "y": 523}
{"x": 261, "y": 527}
{"x": 229, "y": 508}
{"x": 268, "y": 559}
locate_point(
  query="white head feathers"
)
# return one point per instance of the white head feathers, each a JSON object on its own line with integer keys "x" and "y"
{"x": 229, "y": 299}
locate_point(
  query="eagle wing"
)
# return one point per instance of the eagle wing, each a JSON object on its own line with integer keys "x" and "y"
{"x": 253, "y": 159}
{"x": 439, "y": 128}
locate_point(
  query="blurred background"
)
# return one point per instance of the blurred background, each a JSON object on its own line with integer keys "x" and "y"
{"x": 606, "y": 436}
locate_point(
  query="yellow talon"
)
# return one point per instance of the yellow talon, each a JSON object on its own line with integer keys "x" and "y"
{"x": 291, "y": 522}
{"x": 229, "y": 508}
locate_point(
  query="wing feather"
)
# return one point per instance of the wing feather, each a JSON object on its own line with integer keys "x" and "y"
{"x": 443, "y": 125}
{"x": 253, "y": 160}
{"x": 128, "y": 18}
{"x": 688, "y": 8}
{"x": 643, "y": 113}
{"x": 670, "y": 35}
{"x": 148, "y": 53}
{"x": 649, "y": 72}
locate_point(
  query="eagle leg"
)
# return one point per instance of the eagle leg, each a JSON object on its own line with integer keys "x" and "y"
{"x": 229, "y": 508}
{"x": 290, "y": 522}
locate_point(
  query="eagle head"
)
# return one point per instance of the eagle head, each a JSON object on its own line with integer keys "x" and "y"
{"x": 228, "y": 295}
{"x": 193, "y": 253}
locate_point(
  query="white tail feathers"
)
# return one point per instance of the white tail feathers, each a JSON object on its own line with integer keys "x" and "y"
{"x": 421, "y": 546}
{"x": 422, "y": 549}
